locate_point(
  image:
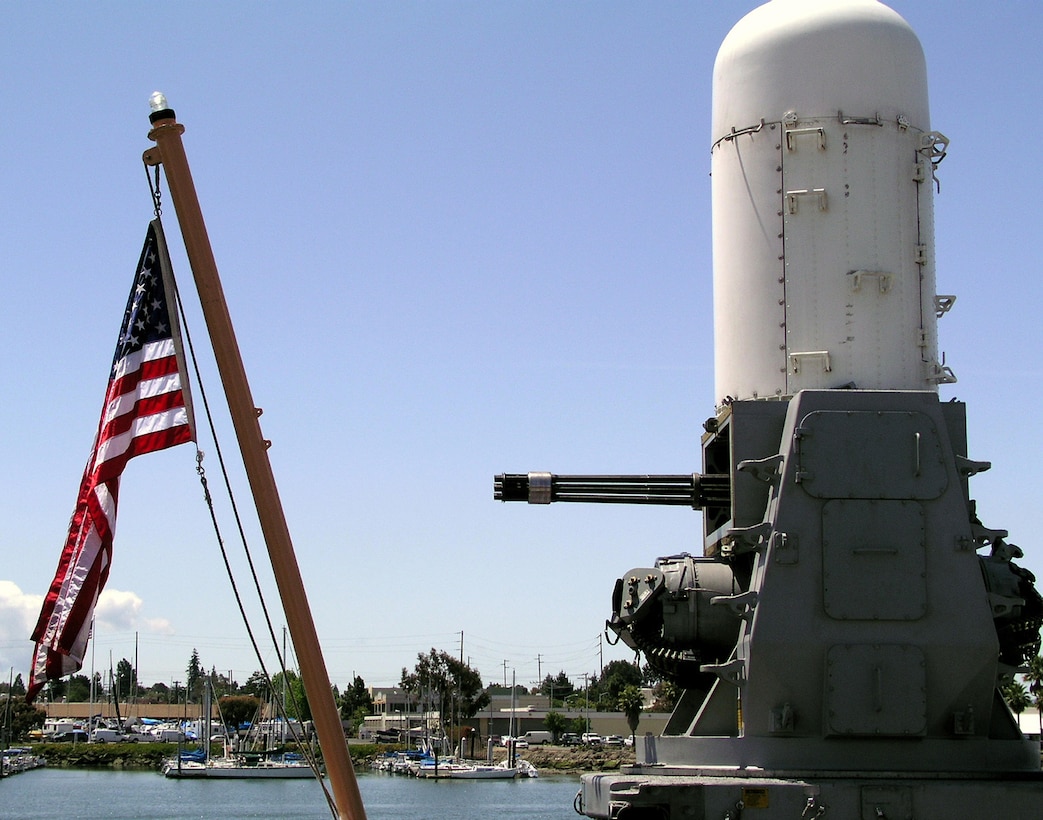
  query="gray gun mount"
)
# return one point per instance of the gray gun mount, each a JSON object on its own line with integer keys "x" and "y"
{"x": 850, "y": 616}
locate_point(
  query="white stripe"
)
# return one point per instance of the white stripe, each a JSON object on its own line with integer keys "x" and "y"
{"x": 147, "y": 389}
{"x": 148, "y": 353}
{"x": 117, "y": 445}
{"x": 88, "y": 544}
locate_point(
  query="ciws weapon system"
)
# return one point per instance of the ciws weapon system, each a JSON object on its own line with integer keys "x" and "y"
{"x": 842, "y": 640}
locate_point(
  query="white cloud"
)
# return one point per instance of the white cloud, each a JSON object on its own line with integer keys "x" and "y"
{"x": 117, "y": 611}
{"x": 18, "y": 614}
{"x": 159, "y": 626}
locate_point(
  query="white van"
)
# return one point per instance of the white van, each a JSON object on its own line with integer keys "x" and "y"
{"x": 538, "y": 738}
{"x": 108, "y": 736}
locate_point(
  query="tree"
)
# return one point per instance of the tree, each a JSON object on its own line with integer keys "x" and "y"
{"x": 1016, "y": 695}
{"x": 355, "y": 704}
{"x": 630, "y": 702}
{"x": 22, "y": 718}
{"x": 194, "y": 679}
{"x": 447, "y": 681}
{"x": 557, "y": 724}
{"x": 665, "y": 696}
{"x": 238, "y": 709}
{"x": 223, "y": 684}
{"x": 18, "y": 688}
{"x": 296, "y": 702}
{"x": 1034, "y": 676}
{"x": 157, "y": 693}
{"x": 256, "y": 685}
{"x": 124, "y": 679}
{"x": 558, "y": 686}
{"x": 79, "y": 689}
{"x": 617, "y": 676}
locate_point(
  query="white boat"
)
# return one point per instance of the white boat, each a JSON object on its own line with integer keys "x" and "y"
{"x": 476, "y": 771}
{"x": 243, "y": 767}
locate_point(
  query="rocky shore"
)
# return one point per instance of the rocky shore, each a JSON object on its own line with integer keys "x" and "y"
{"x": 573, "y": 759}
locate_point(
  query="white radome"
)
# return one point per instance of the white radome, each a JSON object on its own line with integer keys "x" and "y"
{"x": 823, "y": 182}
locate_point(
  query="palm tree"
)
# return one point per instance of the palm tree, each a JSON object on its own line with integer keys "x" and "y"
{"x": 630, "y": 702}
{"x": 1034, "y": 676}
{"x": 1016, "y": 695}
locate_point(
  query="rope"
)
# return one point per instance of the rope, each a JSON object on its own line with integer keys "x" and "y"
{"x": 308, "y": 753}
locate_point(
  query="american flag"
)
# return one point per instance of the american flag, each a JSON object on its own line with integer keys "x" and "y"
{"x": 145, "y": 410}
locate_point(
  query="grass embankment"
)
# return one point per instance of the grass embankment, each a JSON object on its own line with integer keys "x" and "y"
{"x": 109, "y": 755}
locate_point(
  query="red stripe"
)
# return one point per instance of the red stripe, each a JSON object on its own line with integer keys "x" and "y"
{"x": 139, "y": 445}
{"x": 151, "y": 405}
{"x": 153, "y": 369}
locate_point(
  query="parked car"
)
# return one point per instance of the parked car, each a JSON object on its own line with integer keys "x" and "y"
{"x": 570, "y": 739}
{"x": 73, "y": 736}
{"x": 539, "y": 738}
{"x": 613, "y": 740}
{"x": 591, "y": 738}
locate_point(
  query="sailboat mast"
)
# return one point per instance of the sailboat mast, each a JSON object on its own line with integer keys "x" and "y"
{"x": 169, "y": 151}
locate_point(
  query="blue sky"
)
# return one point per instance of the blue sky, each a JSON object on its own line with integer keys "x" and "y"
{"x": 456, "y": 238}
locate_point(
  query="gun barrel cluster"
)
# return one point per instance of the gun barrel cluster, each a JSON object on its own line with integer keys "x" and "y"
{"x": 687, "y": 490}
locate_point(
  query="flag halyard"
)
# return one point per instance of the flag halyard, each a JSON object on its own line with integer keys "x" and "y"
{"x": 146, "y": 409}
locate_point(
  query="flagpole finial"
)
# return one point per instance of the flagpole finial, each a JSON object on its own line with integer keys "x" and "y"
{"x": 160, "y": 109}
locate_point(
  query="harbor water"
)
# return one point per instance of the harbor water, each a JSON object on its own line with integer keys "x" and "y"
{"x": 44, "y": 794}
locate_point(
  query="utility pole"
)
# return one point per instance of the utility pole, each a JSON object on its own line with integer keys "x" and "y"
{"x": 586, "y": 702}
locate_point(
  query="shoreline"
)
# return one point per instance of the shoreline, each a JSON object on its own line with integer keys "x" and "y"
{"x": 546, "y": 758}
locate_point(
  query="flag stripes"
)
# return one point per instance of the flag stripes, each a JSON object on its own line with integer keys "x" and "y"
{"x": 145, "y": 410}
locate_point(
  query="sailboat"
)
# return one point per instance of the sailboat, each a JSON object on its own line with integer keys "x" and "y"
{"x": 476, "y": 771}
{"x": 242, "y": 766}
{"x": 234, "y": 764}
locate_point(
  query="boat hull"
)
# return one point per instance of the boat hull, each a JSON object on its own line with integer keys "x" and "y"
{"x": 217, "y": 769}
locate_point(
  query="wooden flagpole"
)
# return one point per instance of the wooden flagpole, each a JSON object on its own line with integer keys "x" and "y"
{"x": 169, "y": 151}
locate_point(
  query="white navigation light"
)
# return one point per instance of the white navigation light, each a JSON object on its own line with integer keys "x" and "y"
{"x": 158, "y": 102}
